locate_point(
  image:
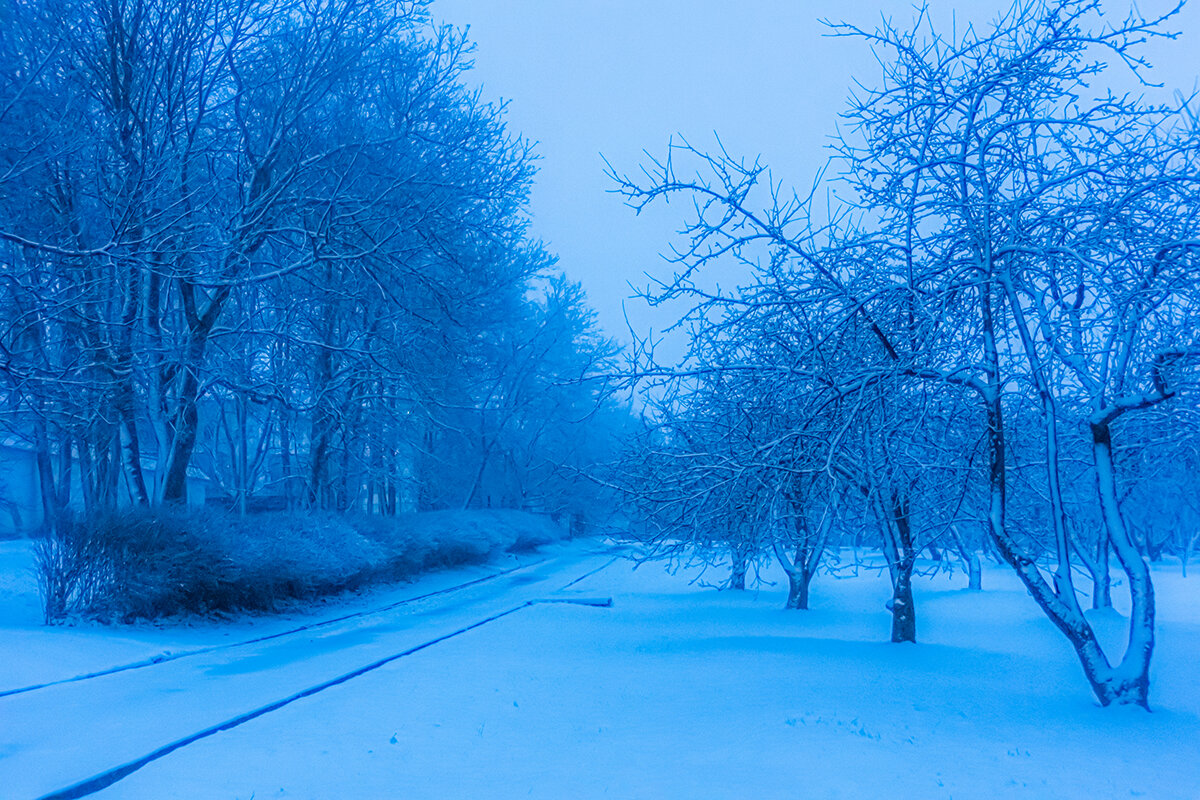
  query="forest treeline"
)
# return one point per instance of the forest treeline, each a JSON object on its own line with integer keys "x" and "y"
{"x": 280, "y": 248}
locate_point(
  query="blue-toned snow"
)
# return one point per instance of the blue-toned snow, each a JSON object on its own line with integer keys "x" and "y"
{"x": 677, "y": 691}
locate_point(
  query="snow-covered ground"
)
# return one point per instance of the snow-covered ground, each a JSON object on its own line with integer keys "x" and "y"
{"x": 676, "y": 691}
{"x": 34, "y": 653}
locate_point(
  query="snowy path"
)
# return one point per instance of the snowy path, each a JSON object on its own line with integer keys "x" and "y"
{"x": 166, "y": 656}
{"x": 37, "y": 654}
{"x": 60, "y": 735}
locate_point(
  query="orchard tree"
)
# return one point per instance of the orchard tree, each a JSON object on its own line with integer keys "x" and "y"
{"x": 1008, "y": 231}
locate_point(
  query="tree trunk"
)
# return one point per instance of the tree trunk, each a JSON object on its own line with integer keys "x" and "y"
{"x": 484, "y": 456}
{"x": 798, "y": 583}
{"x": 1063, "y": 580}
{"x": 186, "y": 418}
{"x": 285, "y": 457}
{"x": 800, "y": 569}
{"x": 45, "y": 472}
{"x": 133, "y": 459}
{"x": 241, "y": 451}
{"x": 87, "y": 472}
{"x": 974, "y": 571}
{"x": 319, "y": 493}
{"x": 1101, "y": 580}
{"x": 737, "y": 576}
{"x": 124, "y": 389}
{"x": 1132, "y": 678}
{"x": 904, "y": 612}
{"x": 186, "y": 425}
{"x": 972, "y": 561}
{"x": 1128, "y": 683}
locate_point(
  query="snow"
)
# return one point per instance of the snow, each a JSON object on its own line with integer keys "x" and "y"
{"x": 34, "y": 653}
{"x": 675, "y": 691}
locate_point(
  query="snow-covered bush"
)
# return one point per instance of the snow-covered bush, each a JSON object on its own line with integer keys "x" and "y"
{"x": 150, "y": 564}
{"x": 69, "y": 569}
{"x": 433, "y": 539}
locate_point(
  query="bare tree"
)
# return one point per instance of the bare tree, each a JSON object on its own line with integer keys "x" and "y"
{"x": 992, "y": 195}
{"x": 280, "y": 243}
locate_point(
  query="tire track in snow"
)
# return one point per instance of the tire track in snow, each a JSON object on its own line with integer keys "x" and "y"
{"x": 164, "y": 658}
{"x": 111, "y": 776}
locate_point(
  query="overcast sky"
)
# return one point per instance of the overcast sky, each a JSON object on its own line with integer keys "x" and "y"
{"x": 616, "y": 77}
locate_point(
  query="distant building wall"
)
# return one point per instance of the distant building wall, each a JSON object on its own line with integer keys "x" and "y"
{"x": 20, "y": 491}
{"x": 20, "y": 497}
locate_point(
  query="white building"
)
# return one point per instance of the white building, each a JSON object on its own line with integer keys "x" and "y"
{"x": 20, "y": 490}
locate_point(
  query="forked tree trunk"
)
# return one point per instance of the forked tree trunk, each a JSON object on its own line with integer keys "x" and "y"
{"x": 800, "y": 569}
{"x": 1133, "y": 673}
{"x": 186, "y": 416}
{"x": 809, "y": 551}
{"x": 186, "y": 426}
{"x": 1128, "y": 683}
